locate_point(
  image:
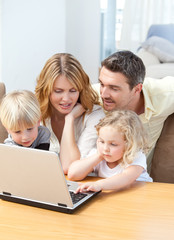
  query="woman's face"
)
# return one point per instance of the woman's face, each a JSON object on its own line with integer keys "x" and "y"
{"x": 63, "y": 96}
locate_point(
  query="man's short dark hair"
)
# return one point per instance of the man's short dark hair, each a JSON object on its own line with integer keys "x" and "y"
{"x": 128, "y": 64}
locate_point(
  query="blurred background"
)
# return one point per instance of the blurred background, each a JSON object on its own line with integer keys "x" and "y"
{"x": 31, "y": 31}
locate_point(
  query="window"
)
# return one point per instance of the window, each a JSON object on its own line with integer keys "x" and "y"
{"x": 111, "y": 25}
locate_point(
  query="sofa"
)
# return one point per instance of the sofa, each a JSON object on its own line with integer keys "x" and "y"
{"x": 162, "y": 169}
{"x": 3, "y": 132}
{"x": 157, "y": 51}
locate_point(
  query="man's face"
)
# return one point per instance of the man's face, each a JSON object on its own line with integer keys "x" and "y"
{"x": 115, "y": 91}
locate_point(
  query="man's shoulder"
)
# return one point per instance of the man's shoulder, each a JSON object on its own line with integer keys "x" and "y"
{"x": 155, "y": 82}
{"x": 96, "y": 114}
{"x": 153, "y": 86}
{"x": 158, "y": 97}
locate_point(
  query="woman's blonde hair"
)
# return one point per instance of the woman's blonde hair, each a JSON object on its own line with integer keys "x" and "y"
{"x": 128, "y": 123}
{"x": 67, "y": 65}
{"x": 19, "y": 110}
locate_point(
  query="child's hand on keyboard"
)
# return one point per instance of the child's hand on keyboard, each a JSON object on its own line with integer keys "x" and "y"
{"x": 89, "y": 186}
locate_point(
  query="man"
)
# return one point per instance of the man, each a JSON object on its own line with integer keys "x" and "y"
{"x": 122, "y": 86}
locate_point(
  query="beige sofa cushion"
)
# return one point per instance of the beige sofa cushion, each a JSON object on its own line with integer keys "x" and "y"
{"x": 160, "y": 70}
{"x": 154, "y": 68}
{"x": 147, "y": 57}
{"x": 3, "y": 132}
{"x": 162, "y": 48}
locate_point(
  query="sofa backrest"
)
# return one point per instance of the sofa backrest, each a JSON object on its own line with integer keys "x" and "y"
{"x": 162, "y": 169}
{"x": 162, "y": 30}
{"x": 3, "y": 132}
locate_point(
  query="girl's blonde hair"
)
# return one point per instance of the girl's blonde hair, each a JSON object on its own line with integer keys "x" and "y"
{"x": 128, "y": 123}
{"x": 19, "y": 110}
{"x": 67, "y": 65}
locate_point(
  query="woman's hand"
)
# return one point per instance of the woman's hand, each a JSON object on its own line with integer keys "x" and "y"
{"x": 76, "y": 112}
{"x": 68, "y": 139}
{"x": 100, "y": 154}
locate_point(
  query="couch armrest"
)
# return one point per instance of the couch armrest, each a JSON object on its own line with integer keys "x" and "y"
{"x": 3, "y": 132}
{"x": 147, "y": 57}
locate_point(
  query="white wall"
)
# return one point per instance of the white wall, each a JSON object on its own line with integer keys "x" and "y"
{"x": 31, "y": 33}
{"x": 83, "y": 34}
{"x": 33, "y": 30}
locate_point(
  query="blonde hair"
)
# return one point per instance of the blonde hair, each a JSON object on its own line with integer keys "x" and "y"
{"x": 128, "y": 123}
{"x": 19, "y": 110}
{"x": 67, "y": 65}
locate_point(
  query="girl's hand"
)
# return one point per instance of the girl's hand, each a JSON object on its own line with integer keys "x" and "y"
{"x": 98, "y": 150}
{"x": 76, "y": 112}
{"x": 89, "y": 186}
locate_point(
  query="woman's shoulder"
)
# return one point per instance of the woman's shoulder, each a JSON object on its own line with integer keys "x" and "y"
{"x": 47, "y": 122}
{"x": 96, "y": 114}
{"x": 97, "y": 109}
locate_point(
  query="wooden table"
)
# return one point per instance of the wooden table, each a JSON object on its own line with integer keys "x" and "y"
{"x": 143, "y": 212}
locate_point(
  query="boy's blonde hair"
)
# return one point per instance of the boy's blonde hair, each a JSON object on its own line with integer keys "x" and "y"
{"x": 128, "y": 123}
{"x": 19, "y": 110}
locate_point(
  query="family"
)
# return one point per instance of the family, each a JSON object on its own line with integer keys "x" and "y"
{"x": 111, "y": 133}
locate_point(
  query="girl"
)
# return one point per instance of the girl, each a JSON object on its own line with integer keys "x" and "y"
{"x": 70, "y": 107}
{"x": 120, "y": 156}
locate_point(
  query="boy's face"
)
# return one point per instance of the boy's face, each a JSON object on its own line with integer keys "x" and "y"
{"x": 25, "y": 137}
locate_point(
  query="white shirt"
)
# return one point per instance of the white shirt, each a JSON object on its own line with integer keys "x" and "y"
{"x": 85, "y": 132}
{"x": 102, "y": 169}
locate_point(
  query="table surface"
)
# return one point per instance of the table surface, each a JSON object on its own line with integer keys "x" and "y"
{"x": 144, "y": 211}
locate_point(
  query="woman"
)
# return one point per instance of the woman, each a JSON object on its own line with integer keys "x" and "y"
{"x": 70, "y": 107}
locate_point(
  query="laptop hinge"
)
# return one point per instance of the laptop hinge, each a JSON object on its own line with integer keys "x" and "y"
{"x": 62, "y": 205}
{"x": 7, "y": 193}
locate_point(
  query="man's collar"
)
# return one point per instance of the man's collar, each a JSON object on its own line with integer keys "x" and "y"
{"x": 148, "y": 108}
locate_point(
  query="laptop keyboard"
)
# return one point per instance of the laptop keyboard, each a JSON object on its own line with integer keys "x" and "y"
{"x": 77, "y": 196}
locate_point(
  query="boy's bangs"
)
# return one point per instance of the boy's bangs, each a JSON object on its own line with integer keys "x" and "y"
{"x": 21, "y": 123}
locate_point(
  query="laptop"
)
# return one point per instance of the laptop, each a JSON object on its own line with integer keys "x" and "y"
{"x": 35, "y": 177}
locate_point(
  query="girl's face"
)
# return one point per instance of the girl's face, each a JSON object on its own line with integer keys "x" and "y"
{"x": 111, "y": 145}
{"x": 64, "y": 96}
{"x": 25, "y": 137}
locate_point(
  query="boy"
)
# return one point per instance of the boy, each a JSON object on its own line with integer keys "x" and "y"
{"x": 20, "y": 115}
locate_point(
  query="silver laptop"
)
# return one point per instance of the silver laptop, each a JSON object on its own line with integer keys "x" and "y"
{"x": 35, "y": 177}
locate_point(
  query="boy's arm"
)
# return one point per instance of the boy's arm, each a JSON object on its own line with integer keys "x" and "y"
{"x": 116, "y": 182}
{"x": 81, "y": 168}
